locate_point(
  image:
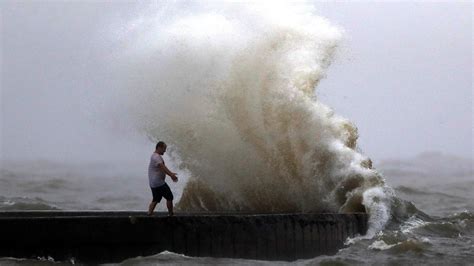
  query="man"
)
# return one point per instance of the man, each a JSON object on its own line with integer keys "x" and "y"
{"x": 157, "y": 172}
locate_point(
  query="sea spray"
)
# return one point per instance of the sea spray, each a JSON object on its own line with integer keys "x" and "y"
{"x": 231, "y": 88}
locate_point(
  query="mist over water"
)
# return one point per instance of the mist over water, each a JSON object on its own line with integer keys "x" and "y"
{"x": 233, "y": 93}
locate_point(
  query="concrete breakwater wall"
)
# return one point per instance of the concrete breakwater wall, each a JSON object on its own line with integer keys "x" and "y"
{"x": 100, "y": 236}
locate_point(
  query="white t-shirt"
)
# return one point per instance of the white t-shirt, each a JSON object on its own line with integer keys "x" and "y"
{"x": 156, "y": 176}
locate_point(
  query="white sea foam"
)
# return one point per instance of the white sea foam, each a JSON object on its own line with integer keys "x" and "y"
{"x": 411, "y": 224}
{"x": 380, "y": 245}
{"x": 377, "y": 201}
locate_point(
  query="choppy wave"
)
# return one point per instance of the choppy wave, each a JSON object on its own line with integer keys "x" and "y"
{"x": 419, "y": 234}
{"x": 24, "y": 203}
{"x": 170, "y": 258}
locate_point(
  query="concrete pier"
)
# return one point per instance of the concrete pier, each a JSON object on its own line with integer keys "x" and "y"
{"x": 99, "y": 237}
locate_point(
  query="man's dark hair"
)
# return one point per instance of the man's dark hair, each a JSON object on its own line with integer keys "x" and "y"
{"x": 160, "y": 144}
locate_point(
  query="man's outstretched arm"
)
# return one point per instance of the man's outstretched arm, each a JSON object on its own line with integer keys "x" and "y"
{"x": 168, "y": 172}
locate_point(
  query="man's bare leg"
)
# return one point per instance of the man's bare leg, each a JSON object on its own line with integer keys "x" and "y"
{"x": 151, "y": 207}
{"x": 169, "y": 204}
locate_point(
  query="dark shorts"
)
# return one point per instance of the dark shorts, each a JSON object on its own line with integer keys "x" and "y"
{"x": 161, "y": 191}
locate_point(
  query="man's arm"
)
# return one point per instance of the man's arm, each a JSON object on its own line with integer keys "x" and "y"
{"x": 168, "y": 172}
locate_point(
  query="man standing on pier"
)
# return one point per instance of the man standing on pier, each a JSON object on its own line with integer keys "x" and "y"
{"x": 157, "y": 172}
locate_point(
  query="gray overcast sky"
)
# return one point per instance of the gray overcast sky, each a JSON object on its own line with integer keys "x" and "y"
{"x": 403, "y": 76}
{"x": 406, "y": 77}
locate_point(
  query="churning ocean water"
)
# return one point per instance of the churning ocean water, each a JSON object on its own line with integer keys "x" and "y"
{"x": 435, "y": 226}
{"x": 233, "y": 91}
